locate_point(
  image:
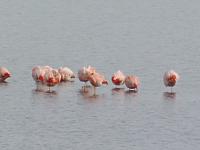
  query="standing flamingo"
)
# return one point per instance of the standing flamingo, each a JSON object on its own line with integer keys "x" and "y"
{"x": 170, "y": 78}
{"x": 4, "y": 74}
{"x": 84, "y": 73}
{"x": 38, "y": 73}
{"x": 66, "y": 73}
{"x": 132, "y": 82}
{"x": 52, "y": 78}
{"x": 118, "y": 78}
{"x": 97, "y": 80}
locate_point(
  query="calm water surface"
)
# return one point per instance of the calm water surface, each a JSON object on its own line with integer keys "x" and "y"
{"x": 140, "y": 37}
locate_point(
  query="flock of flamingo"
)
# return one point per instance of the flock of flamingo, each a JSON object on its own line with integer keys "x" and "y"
{"x": 49, "y": 77}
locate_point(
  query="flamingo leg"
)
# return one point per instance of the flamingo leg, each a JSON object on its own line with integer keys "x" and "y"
{"x": 94, "y": 91}
{"x": 37, "y": 86}
{"x": 83, "y": 87}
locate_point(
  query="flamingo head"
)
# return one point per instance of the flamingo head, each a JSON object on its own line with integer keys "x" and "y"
{"x": 7, "y": 75}
{"x": 41, "y": 78}
{"x": 90, "y": 75}
{"x": 51, "y": 80}
{"x": 172, "y": 80}
{"x": 116, "y": 81}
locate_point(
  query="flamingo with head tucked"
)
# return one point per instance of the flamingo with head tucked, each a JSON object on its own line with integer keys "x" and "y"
{"x": 118, "y": 78}
{"x": 51, "y": 78}
{"x": 38, "y": 73}
{"x": 97, "y": 80}
{"x": 4, "y": 74}
{"x": 66, "y": 73}
{"x": 170, "y": 78}
{"x": 132, "y": 82}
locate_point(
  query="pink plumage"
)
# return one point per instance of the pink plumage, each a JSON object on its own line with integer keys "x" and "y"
{"x": 97, "y": 80}
{"x": 170, "y": 78}
{"x": 84, "y": 73}
{"x": 132, "y": 82}
{"x": 45, "y": 75}
{"x": 66, "y": 73}
{"x": 4, "y": 74}
{"x": 118, "y": 78}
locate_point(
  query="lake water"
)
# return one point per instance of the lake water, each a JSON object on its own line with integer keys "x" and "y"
{"x": 140, "y": 37}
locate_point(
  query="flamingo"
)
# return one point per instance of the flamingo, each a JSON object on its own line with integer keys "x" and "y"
{"x": 66, "y": 73}
{"x": 170, "y": 78}
{"x": 118, "y": 78}
{"x": 97, "y": 80}
{"x": 57, "y": 75}
{"x": 51, "y": 78}
{"x": 38, "y": 73}
{"x": 132, "y": 82}
{"x": 4, "y": 74}
{"x": 84, "y": 73}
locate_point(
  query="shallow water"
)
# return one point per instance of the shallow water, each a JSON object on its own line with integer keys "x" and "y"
{"x": 140, "y": 37}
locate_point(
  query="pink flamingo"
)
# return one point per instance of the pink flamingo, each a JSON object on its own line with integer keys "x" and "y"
{"x": 4, "y": 74}
{"x": 97, "y": 80}
{"x": 132, "y": 82}
{"x": 118, "y": 78}
{"x": 66, "y": 73}
{"x": 38, "y": 73}
{"x": 84, "y": 73}
{"x": 51, "y": 78}
{"x": 170, "y": 78}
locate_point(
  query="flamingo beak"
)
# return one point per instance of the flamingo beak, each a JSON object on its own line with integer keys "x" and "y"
{"x": 105, "y": 82}
{"x": 73, "y": 76}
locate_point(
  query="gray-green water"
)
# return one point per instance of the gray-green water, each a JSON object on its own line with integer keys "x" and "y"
{"x": 139, "y": 37}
